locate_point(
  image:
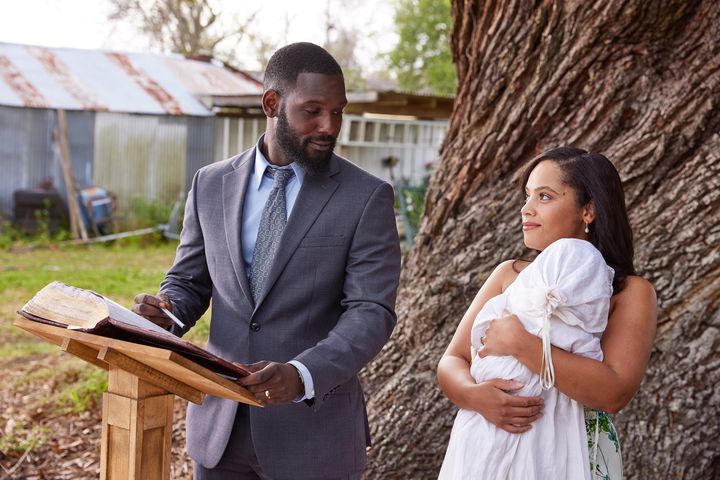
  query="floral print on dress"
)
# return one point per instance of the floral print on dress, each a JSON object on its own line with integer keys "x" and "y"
{"x": 605, "y": 455}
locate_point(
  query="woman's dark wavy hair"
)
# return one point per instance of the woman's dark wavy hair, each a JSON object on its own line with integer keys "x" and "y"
{"x": 595, "y": 179}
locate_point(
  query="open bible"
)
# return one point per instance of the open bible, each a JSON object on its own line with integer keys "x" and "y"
{"x": 76, "y": 308}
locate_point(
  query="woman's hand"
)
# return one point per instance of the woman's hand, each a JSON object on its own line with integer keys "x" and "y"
{"x": 507, "y": 412}
{"x": 504, "y": 336}
{"x": 490, "y": 399}
{"x": 626, "y": 344}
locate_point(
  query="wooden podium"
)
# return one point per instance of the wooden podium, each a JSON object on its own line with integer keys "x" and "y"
{"x": 137, "y": 410}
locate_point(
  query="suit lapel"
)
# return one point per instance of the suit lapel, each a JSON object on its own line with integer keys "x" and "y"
{"x": 314, "y": 194}
{"x": 234, "y": 186}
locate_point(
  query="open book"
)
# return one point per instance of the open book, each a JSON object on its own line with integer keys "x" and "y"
{"x": 75, "y": 308}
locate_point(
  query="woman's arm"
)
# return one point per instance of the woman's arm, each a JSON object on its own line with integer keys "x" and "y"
{"x": 627, "y": 343}
{"x": 490, "y": 399}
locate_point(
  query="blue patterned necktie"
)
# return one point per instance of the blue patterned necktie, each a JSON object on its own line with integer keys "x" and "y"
{"x": 272, "y": 224}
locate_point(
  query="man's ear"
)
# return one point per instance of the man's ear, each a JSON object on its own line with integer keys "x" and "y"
{"x": 271, "y": 103}
{"x": 588, "y": 213}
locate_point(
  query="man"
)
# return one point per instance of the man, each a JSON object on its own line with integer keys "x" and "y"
{"x": 298, "y": 250}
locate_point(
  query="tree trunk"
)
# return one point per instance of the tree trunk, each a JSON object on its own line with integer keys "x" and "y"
{"x": 636, "y": 80}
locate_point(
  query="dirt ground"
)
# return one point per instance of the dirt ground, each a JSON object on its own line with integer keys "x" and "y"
{"x": 71, "y": 445}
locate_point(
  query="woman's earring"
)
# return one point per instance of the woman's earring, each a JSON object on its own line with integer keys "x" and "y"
{"x": 587, "y": 229}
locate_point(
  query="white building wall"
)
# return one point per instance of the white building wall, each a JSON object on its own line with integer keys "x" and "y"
{"x": 363, "y": 140}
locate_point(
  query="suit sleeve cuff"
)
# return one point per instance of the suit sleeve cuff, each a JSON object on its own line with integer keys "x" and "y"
{"x": 307, "y": 381}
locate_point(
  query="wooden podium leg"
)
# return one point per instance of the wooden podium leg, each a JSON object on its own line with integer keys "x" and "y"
{"x": 136, "y": 429}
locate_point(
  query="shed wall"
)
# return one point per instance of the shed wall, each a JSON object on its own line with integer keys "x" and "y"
{"x": 140, "y": 156}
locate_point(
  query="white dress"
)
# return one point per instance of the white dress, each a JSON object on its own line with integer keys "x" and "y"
{"x": 563, "y": 296}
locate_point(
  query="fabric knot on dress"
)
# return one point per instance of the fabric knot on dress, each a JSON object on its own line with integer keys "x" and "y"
{"x": 553, "y": 299}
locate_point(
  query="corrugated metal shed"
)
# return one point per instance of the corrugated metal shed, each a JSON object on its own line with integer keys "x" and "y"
{"x": 140, "y": 155}
{"x": 141, "y": 124}
{"x": 29, "y": 154}
{"x": 75, "y": 79}
{"x": 137, "y": 124}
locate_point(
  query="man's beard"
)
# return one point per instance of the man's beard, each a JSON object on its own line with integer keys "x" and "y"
{"x": 297, "y": 150}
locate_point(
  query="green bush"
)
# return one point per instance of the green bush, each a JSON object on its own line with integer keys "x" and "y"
{"x": 146, "y": 213}
{"x": 11, "y": 235}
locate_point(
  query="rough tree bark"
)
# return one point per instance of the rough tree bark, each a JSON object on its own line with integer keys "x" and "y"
{"x": 637, "y": 80}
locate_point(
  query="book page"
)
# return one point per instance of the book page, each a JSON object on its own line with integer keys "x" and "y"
{"x": 71, "y": 306}
{"x": 122, "y": 314}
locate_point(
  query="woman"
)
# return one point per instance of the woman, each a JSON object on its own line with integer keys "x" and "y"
{"x": 570, "y": 194}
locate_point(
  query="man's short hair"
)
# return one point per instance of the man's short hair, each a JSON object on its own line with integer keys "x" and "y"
{"x": 290, "y": 61}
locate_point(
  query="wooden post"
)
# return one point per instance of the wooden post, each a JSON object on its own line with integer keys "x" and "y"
{"x": 138, "y": 406}
{"x": 77, "y": 227}
{"x": 136, "y": 429}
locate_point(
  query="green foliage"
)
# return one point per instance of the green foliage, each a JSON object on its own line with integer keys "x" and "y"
{"x": 410, "y": 202}
{"x": 10, "y": 235}
{"x": 146, "y": 213}
{"x": 421, "y": 60}
{"x": 83, "y": 392}
{"x": 143, "y": 213}
{"x": 21, "y": 437}
{"x": 415, "y": 205}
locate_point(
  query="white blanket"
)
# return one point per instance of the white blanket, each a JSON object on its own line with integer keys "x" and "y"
{"x": 563, "y": 296}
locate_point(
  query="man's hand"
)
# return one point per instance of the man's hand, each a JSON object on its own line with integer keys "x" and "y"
{"x": 271, "y": 382}
{"x": 149, "y": 306}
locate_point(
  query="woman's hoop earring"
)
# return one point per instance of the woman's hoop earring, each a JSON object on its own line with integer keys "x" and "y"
{"x": 587, "y": 228}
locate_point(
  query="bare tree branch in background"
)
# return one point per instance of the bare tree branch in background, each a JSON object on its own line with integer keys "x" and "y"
{"x": 342, "y": 42}
{"x": 188, "y": 27}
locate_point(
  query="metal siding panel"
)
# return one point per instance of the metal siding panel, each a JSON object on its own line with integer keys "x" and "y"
{"x": 81, "y": 138}
{"x": 26, "y": 155}
{"x": 219, "y": 139}
{"x": 140, "y": 156}
{"x": 200, "y": 146}
{"x": 169, "y": 161}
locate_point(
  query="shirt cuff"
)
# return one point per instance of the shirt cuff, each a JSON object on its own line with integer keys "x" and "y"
{"x": 307, "y": 381}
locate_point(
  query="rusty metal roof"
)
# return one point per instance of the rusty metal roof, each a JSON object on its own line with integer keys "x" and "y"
{"x": 95, "y": 80}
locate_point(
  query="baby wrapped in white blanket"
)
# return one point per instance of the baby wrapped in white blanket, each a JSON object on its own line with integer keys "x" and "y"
{"x": 563, "y": 296}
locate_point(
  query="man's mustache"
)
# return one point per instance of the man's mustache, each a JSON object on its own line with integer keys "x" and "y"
{"x": 322, "y": 138}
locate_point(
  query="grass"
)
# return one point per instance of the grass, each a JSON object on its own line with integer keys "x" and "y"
{"x": 82, "y": 390}
{"x": 26, "y": 347}
{"x": 117, "y": 271}
{"x": 58, "y": 383}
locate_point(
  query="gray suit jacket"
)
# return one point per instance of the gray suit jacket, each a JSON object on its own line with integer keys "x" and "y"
{"x": 329, "y": 303}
